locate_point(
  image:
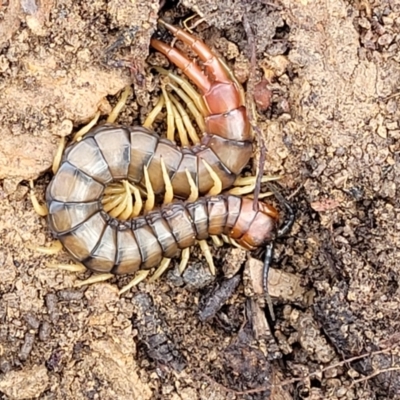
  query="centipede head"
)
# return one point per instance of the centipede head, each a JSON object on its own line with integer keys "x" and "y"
{"x": 257, "y": 227}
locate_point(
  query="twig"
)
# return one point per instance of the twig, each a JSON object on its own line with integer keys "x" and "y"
{"x": 380, "y": 371}
{"x": 310, "y": 375}
{"x": 250, "y": 105}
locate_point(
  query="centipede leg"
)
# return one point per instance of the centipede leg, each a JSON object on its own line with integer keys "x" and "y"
{"x": 194, "y": 190}
{"x": 187, "y": 88}
{"x": 58, "y": 155}
{"x": 55, "y": 248}
{"x": 187, "y": 127}
{"x": 217, "y": 188}
{"x": 232, "y": 242}
{"x": 83, "y": 131}
{"x": 195, "y": 112}
{"x": 164, "y": 264}
{"x": 94, "y": 279}
{"x": 184, "y": 260}
{"x": 170, "y": 116}
{"x": 139, "y": 277}
{"x": 149, "y": 205}
{"x": 138, "y": 201}
{"x": 154, "y": 112}
{"x": 246, "y": 185}
{"x": 112, "y": 117}
{"x": 40, "y": 209}
{"x": 183, "y": 137}
{"x": 217, "y": 241}
{"x": 207, "y": 254}
{"x": 77, "y": 268}
{"x": 169, "y": 191}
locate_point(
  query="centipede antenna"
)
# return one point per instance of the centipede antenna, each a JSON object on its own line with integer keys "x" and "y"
{"x": 291, "y": 214}
{"x": 269, "y": 251}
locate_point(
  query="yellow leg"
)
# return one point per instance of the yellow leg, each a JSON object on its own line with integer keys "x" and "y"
{"x": 111, "y": 202}
{"x": 198, "y": 22}
{"x": 161, "y": 269}
{"x": 83, "y": 131}
{"x": 154, "y": 112}
{"x": 217, "y": 188}
{"x": 189, "y": 128}
{"x": 113, "y": 189}
{"x": 120, "y": 105}
{"x": 121, "y": 207}
{"x": 170, "y": 116}
{"x": 179, "y": 122}
{"x": 40, "y": 209}
{"x": 194, "y": 190}
{"x": 192, "y": 107}
{"x": 78, "y": 268}
{"x": 127, "y": 212}
{"x": 138, "y": 201}
{"x": 55, "y": 248}
{"x": 118, "y": 202}
{"x": 217, "y": 241}
{"x": 94, "y": 279}
{"x": 139, "y": 277}
{"x": 169, "y": 191}
{"x": 149, "y": 205}
{"x": 58, "y": 156}
{"x": 207, "y": 254}
{"x": 246, "y": 185}
{"x": 188, "y": 89}
{"x": 232, "y": 242}
{"x": 184, "y": 260}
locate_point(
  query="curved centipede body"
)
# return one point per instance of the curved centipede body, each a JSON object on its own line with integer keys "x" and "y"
{"x": 111, "y": 153}
{"x": 105, "y": 244}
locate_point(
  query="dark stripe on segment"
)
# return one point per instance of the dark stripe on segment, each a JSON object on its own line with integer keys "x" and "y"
{"x": 234, "y": 206}
{"x": 163, "y": 234}
{"x": 83, "y": 155}
{"x": 199, "y": 213}
{"x": 150, "y": 250}
{"x": 83, "y": 239}
{"x": 64, "y": 217}
{"x": 217, "y": 214}
{"x": 115, "y": 145}
{"x": 70, "y": 185}
{"x": 128, "y": 258}
{"x": 180, "y": 223}
{"x": 143, "y": 146}
{"x": 103, "y": 256}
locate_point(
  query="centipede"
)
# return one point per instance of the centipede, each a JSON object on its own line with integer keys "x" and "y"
{"x": 193, "y": 179}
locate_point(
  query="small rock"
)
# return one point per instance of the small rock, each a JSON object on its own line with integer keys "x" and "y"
{"x": 27, "y": 383}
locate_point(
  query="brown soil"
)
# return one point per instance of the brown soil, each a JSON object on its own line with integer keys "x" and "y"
{"x": 330, "y": 126}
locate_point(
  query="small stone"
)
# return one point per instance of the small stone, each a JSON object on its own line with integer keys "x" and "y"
{"x": 385, "y": 39}
{"x": 262, "y": 95}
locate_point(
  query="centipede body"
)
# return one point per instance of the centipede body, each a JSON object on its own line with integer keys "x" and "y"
{"x": 105, "y": 244}
{"x": 111, "y": 153}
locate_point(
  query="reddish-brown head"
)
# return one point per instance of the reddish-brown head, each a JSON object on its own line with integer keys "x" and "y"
{"x": 255, "y": 228}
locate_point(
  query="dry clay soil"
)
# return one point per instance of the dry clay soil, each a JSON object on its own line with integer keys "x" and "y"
{"x": 331, "y": 129}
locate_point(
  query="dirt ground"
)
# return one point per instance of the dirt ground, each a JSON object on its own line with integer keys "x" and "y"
{"x": 331, "y": 128}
